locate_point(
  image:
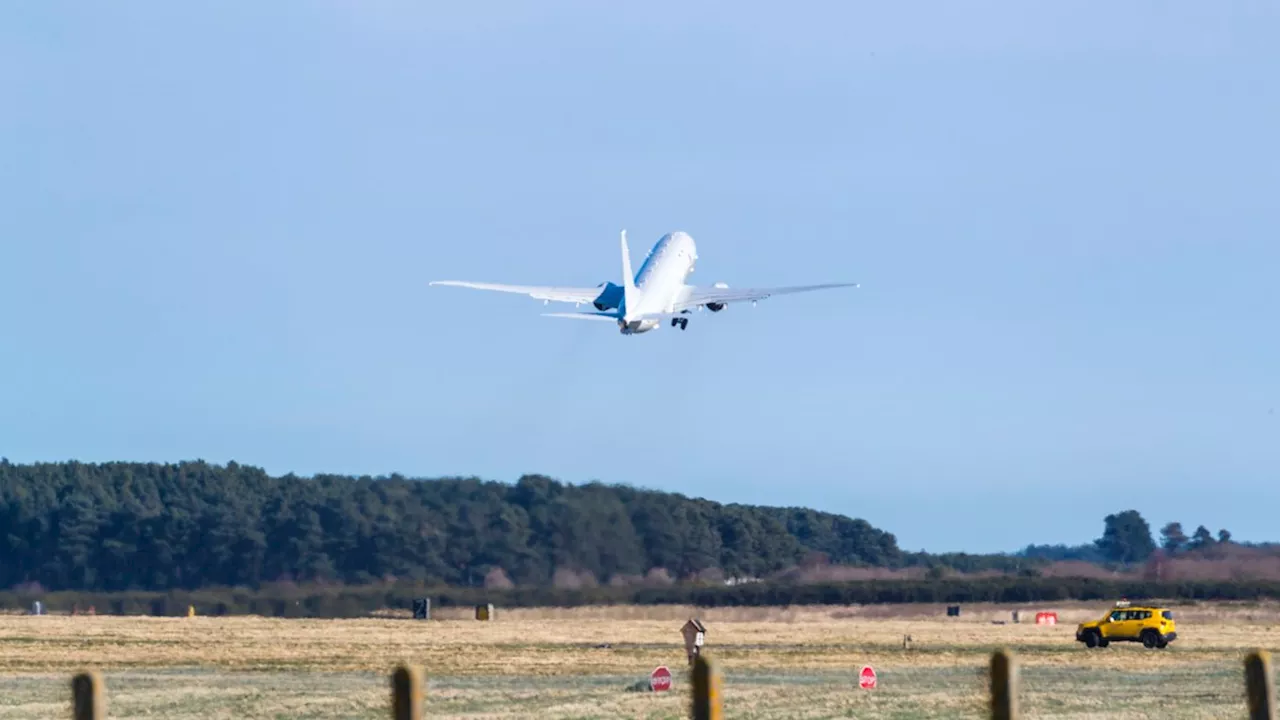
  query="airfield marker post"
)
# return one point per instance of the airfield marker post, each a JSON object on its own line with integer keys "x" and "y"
{"x": 406, "y": 693}
{"x": 88, "y": 700}
{"x": 1004, "y": 686}
{"x": 695, "y": 635}
{"x": 1260, "y": 684}
{"x": 706, "y": 690}
{"x": 422, "y": 608}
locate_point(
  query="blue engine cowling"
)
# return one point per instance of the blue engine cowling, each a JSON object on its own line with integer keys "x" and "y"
{"x": 610, "y": 297}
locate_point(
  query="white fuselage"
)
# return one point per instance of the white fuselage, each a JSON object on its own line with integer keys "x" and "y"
{"x": 660, "y": 283}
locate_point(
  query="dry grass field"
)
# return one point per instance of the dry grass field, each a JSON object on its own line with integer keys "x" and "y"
{"x": 776, "y": 663}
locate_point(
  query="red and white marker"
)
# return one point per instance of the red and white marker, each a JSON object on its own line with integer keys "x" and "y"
{"x": 660, "y": 679}
{"x": 867, "y": 678}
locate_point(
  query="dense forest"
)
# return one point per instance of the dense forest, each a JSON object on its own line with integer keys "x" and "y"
{"x": 153, "y": 538}
{"x": 126, "y": 526}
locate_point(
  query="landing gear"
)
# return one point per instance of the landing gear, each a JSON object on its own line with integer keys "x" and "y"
{"x": 683, "y": 323}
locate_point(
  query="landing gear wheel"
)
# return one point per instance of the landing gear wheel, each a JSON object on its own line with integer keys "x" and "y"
{"x": 684, "y": 323}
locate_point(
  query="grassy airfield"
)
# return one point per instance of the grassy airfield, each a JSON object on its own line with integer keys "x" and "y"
{"x": 578, "y": 663}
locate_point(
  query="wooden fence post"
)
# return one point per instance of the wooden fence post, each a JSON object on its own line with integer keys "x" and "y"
{"x": 88, "y": 700}
{"x": 1260, "y": 684}
{"x": 406, "y": 693}
{"x": 706, "y": 690}
{"x": 1004, "y": 686}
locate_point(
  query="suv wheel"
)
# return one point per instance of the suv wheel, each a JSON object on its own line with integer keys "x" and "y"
{"x": 1091, "y": 639}
{"x": 1162, "y": 643}
{"x": 1150, "y": 638}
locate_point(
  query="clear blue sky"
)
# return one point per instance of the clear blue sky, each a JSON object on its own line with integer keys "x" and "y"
{"x": 217, "y": 222}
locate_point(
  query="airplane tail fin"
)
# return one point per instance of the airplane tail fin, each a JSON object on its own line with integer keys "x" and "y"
{"x": 628, "y": 278}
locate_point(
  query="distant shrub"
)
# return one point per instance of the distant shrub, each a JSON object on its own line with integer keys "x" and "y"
{"x": 1076, "y": 569}
{"x": 658, "y": 576}
{"x": 564, "y": 578}
{"x": 496, "y": 579}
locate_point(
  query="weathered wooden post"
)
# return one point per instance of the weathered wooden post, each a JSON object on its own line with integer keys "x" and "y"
{"x": 1004, "y": 686}
{"x": 88, "y": 700}
{"x": 422, "y": 608}
{"x": 695, "y": 634}
{"x": 1260, "y": 684}
{"x": 706, "y": 690}
{"x": 406, "y": 693}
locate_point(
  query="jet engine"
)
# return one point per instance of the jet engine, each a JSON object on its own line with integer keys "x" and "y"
{"x": 610, "y": 297}
{"x": 715, "y": 306}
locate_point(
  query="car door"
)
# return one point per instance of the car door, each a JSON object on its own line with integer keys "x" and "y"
{"x": 1114, "y": 626}
{"x": 1130, "y": 625}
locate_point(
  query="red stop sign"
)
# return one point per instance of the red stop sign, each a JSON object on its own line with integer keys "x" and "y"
{"x": 867, "y": 678}
{"x": 660, "y": 679}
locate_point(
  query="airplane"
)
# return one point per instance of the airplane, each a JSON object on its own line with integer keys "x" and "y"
{"x": 656, "y": 294}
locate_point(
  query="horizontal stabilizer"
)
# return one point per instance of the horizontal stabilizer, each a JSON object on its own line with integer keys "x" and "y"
{"x": 608, "y": 317}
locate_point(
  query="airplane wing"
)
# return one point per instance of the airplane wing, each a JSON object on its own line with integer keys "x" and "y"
{"x": 558, "y": 294}
{"x": 698, "y": 296}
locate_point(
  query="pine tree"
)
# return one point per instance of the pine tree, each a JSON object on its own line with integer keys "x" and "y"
{"x": 1173, "y": 537}
{"x": 1126, "y": 538}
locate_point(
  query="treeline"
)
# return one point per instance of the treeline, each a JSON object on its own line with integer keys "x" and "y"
{"x": 132, "y": 526}
{"x": 132, "y": 530}
{"x": 287, "y": 601}
{"x": 1126, "y": 539}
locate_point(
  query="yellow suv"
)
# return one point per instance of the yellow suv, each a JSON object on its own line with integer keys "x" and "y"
{"x": 1150, "y": 625}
